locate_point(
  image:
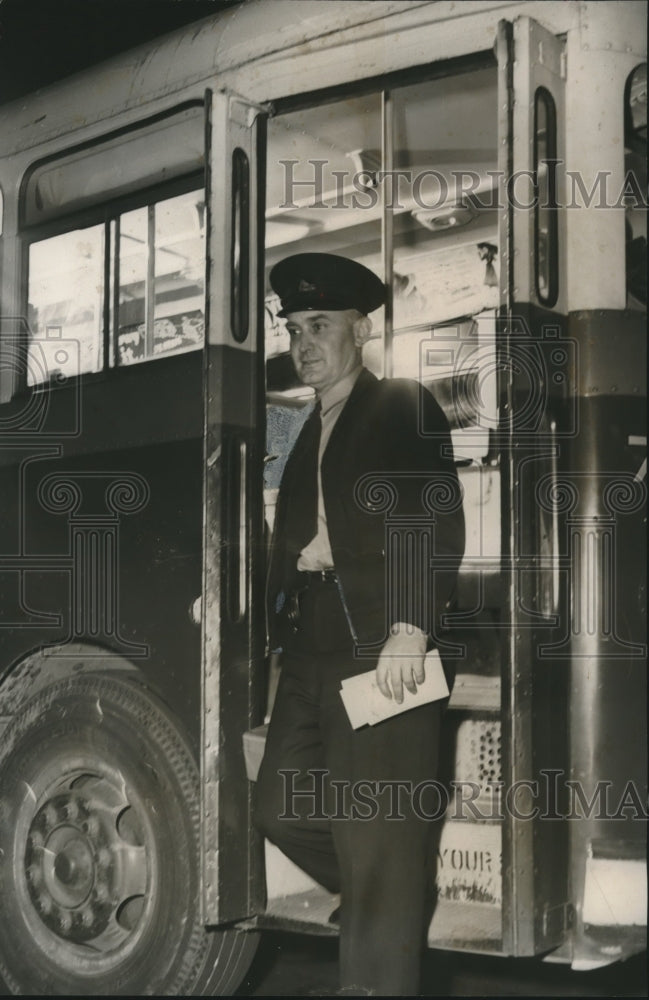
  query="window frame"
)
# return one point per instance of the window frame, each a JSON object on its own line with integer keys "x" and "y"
{"x": 140, "y": 126}
{"x": 106, "y": 214}
{"x": 385, "y": 86}
{"x": 103, "y": 212}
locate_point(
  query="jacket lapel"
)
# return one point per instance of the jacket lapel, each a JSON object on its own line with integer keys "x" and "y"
{"x": 346, "y": 422}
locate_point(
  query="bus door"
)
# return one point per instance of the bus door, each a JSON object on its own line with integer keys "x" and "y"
{"x": 571, "y": 409}
{"x": 233, "y": 622}
{"x": 534, "y": 359}
{"x": 448, "y": 183}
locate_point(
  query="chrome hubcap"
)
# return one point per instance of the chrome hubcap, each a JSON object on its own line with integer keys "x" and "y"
{"x": 85, "y": 862}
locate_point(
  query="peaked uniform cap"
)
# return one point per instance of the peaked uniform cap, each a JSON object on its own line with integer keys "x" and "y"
{"x": 311, "y": 281}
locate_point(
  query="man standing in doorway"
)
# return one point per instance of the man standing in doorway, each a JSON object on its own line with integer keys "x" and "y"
{"x": 368, "y": 445}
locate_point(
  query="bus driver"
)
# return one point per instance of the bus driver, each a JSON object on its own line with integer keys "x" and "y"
{"x": 329, "y": 593}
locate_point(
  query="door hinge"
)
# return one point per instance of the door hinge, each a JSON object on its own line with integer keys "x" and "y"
{"x": 563, "y": 64}
{"x": 242, "y": 110}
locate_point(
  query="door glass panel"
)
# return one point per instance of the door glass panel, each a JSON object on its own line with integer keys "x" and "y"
{"x": 445, "y": 243}
{"x": 322, "y": 197}
{"x": 240, "y": 263}
{"x": 546, "y": 233}
{"x": 66, "y": 303}
{"x": 445, "y": 293}
{"x": 325, "y": 195}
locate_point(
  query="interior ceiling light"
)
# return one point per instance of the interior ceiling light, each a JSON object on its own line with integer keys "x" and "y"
{"x": 449, "y": 216}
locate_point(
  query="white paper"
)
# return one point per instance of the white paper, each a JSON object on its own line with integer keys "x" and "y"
{"x": 366, "y": 705}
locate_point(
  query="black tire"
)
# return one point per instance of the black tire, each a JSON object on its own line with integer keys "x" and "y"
{"x": 99, "y": 876}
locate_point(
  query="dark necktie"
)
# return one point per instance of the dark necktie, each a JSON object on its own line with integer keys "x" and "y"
{"x": 304, "y": 504}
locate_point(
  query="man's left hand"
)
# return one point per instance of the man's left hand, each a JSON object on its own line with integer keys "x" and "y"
{"x": 401, "y": 663}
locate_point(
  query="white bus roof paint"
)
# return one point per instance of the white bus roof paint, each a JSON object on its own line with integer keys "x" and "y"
{"x": 265, "y": 50}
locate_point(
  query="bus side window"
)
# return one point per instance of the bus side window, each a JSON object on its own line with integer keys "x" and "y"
{"x": 65, "y": 311}
{"x": 154, "y": 297}
{"x": 159, "y": 273}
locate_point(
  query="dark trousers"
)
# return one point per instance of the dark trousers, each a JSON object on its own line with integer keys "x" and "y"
{"x": 354, "y": 830}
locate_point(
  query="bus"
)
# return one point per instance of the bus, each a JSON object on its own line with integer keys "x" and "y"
{"x": 488, "y": 161}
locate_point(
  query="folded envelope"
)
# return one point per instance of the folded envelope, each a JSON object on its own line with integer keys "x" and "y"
{"x": 365, "y": 705}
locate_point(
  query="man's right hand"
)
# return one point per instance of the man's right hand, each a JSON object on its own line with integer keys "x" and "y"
{"x": 401, "y": 663}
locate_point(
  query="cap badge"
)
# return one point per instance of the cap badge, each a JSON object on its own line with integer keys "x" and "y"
{"x": 305, "y": 286}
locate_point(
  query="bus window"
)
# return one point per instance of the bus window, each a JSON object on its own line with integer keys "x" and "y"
{"x": 170, "y": 147}
{"x": 66, "y": 298}
{"x": 446, "y": 248}
{"x": 445, "y": 131}
{"x": 322, "y": 196}
{"x": 161, "y": 263}
{"x": 433, "y": 228}
{"x": 155, "y": 297}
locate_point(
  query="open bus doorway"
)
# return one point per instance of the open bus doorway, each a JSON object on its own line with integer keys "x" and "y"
{"x": 405, "y": 181}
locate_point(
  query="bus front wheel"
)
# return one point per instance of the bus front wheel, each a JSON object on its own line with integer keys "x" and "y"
{"x": 99, "y": 870}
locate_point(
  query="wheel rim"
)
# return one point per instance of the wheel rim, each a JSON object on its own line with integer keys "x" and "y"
{"x": 98, "y": 816}
{"x": 89, "y": 862}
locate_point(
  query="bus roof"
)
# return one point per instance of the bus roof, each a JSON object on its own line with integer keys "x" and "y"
{"x": 266, "y": 50}
{"x": 220, "y": 43}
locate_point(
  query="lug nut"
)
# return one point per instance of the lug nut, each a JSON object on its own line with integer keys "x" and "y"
{"x": 35, "y": 875}
{"x": 92, "y": 826}
{"x": 50, "y": 815}
{"x": 71, "y": 809}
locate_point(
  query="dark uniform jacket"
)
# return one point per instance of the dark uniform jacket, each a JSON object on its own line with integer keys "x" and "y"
{"x": 393, "y": 509}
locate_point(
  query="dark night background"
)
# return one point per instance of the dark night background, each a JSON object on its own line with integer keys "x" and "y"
{"x": 42, "y": 41}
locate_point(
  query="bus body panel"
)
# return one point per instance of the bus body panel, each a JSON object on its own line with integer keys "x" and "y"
{"x": 183, "y": 436}
{"x": 606, "y": 649}
{"x": 155, "y": 554}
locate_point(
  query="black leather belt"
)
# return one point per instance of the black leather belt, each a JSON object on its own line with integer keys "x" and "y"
{"x": 320, "y": 576}
{"x": 307, "y": 579}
